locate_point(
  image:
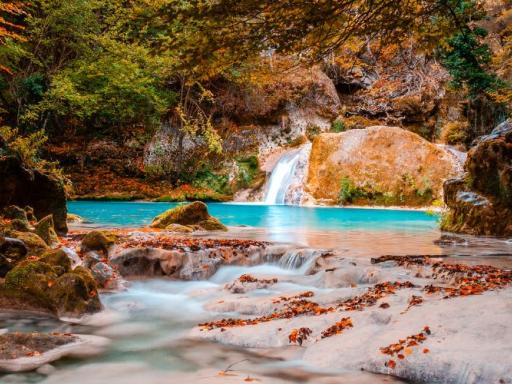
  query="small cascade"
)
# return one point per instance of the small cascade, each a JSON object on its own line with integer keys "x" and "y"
{"x": 287, "y": 177}
{"x": 459, "y": 156}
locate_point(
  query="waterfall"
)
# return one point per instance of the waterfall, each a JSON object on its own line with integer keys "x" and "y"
{"x": 287, "y": 176}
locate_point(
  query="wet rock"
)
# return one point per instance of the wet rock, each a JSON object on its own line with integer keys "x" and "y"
{"x": 23, "y": 186}
{"x": 98, "y": 241}
{"x": 74, "y": 219}
{"x": 29, "y": 351}
{"x": 45, "y": 230}
{"x": 73, "y": 256}
{"x": 102, "y": 273}
{"x": 33, "y": 242}
{"x": 193, "y": 214}
{"x": 91, "y": 258}
{"x": 450, "y": 240}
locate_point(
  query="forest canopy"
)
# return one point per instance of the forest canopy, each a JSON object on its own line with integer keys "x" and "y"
{"x": 95, "y": 65}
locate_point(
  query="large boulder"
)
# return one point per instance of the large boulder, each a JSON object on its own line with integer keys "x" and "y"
{"x": 193, "y": 215}
{"x": 22, "y": 186}
{"x": 481, "y": 202}
{"x": 377, "y": 165}
{"x": 51, "y": 288}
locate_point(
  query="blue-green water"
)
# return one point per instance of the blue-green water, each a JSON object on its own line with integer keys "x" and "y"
{"x": 264, "y": 216}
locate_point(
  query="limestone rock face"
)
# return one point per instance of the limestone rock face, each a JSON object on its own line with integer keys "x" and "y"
{"x": 481, "y": 202}
{"x": 382, "y": 165}
{"x": 21, "y": 186}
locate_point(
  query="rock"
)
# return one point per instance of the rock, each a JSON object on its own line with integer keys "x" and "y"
{"x": 30, "y": 213}
{"x": 73, "y": 293}
{"x": 98, "y": 241}
{"x": 20, "y": 225}
{"x": 13, "y": 212}
{"x": 23, "y": 186}
{"x": 58, "y": 259}
{"x": 12, "y": 251}
{"x": 73, "y": 256}
{"x": 212, "y": 224}
{"x": 75, "y": 219}
{"x": 91, "y": 258}
{"x": 193, "y": 214}
{"x": 34, "y": 243}
{"x": 481, "y": 202}
{"x": 382, "y": 165}
{"x": 179, "y": 228}
{"x": 46, "y": 231}
{"x": 49, "y": 347}
{"x": 136, "y": 262}
{"x": 102, "y": 273}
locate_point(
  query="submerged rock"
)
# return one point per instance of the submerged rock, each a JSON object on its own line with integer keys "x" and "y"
{"x": 192, "y": 215}
{"x": 20, "y": 352}
{"x": 481, "y": 202}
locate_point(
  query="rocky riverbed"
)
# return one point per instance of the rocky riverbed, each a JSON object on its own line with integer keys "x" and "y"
{"x": 225, "y": 307}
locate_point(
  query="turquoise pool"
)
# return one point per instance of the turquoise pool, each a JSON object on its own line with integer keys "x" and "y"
{"x": 263, "y": 216}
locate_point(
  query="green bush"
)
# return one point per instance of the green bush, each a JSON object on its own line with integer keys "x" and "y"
{"x": 338, "y": 126}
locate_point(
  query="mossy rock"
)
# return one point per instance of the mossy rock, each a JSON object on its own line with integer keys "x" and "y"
{"x": 12, "y": 251}
{"x": 36, "y": 245}
{"x": 17, "y": 300}
{"x": 73, "y": 218}
{"x": 191, "y": 215}
{"x": 212, "y": 224}
{"x": 75, "y": 295}
{"x": 14, "y": 212}
{"x": 98, "y": 241}
{"x": 45, "y": 229}
{"x": 179, "y": 228}
{"x": 33, "y": 277}
{"x": 30, "y": 213}
{"x": 58, "y": 259}
{"x": 187, "y": 214}
{"x": 20, "y": 225}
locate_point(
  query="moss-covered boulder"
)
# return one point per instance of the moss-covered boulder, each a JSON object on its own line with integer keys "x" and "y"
{"x": 12, "y": 251}
{"x": 14, "y": 212}
{"x": 30, "y": 213}
{"x": 74, "y": 219}
{"x": 35, "y": 245}
{"x": 481, "y": 202}
{"x": 20, "y": 225}
{"x": 73, "y": 293}
{"x": 58, "y": 259}
{"x": 98, "y": 241}
{"x": 45, "y": 229}
{"x": 193, "y": 214}
{"x": 212, "y": 224}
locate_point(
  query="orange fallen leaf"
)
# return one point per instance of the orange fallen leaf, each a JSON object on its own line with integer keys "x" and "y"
{"x": 426, "y": 350}
{"x": 390, "y": 364}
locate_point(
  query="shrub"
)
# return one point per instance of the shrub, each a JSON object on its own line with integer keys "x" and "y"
{"x": 338, "y": 126}
{"x": 455, "y": 132}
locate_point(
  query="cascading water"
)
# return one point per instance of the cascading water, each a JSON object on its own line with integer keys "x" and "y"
{"x": 287, "y": 173}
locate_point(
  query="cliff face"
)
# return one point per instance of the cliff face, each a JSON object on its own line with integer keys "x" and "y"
{"x": 481, "y": 202}
{"x": 377, "y": 165}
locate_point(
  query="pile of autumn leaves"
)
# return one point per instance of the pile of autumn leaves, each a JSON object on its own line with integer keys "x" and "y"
{"x": 463, "y": 280}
